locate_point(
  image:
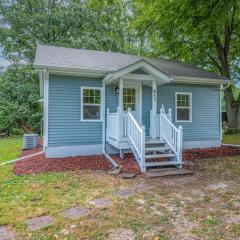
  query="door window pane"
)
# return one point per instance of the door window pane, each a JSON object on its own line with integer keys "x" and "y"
{"x": 129, "y": 99}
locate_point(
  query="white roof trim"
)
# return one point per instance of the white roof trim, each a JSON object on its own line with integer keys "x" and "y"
{"x": 183, "y": 79}
{"x": 72, "y": 71}
{"x": 159, "y": 75}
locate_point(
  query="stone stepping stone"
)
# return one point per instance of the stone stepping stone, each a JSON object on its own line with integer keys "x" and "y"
{"x": 6, "y": 234}
{"x": 124, "y": 193}
{"x": 141, "y": 187}
{"x": 37, "y": 223}
{"x": 101, "y": 202}
{"x": 75, "y": 212}
{"x": 128, "y": 175}
{"x": 121, "y": 234}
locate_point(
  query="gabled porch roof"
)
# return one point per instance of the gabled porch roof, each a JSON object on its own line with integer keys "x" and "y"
{"x": 152, "y": 73}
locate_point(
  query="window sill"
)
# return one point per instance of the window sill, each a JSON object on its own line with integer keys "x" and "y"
{"x": 88, "y": 120}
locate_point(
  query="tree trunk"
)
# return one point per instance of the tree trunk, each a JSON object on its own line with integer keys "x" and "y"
{"x": 232, "y": 112}
{"x": 232, "y": 105}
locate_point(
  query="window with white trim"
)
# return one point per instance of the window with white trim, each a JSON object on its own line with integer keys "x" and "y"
{"x": 183, "y": 110}
{"x": 91, "y": 104}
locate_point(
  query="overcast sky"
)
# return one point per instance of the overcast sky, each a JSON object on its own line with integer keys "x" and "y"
{"x": 3, "y": 61}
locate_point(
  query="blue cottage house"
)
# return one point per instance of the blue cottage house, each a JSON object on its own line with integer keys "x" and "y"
{"x": 99, "y": 102}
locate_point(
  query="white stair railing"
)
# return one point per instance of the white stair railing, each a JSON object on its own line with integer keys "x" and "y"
{"x": 171, "y": 134}
{"x": 136, "y": 137}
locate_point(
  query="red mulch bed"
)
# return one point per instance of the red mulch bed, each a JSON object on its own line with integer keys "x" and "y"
{"x": 192, "y": 154}
{"x": 41, "y": 164}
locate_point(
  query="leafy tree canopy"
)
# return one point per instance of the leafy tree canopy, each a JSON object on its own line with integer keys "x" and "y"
{"x": 202, "y": 32}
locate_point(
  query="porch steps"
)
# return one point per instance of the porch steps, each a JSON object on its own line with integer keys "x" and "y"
{"x": 159, "y": 155}
{"x": 154, "y": 141}
{"x": 168, "y": 172}
{"x": 156, "y": 148}
{"x": 163, "y": 163}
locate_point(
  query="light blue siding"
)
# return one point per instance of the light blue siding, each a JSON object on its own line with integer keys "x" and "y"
{"x": 146, "y": 107}
{"x": 67, "y": 129}
{"x": 65, "y": 126}
{"x": 205, "y": 123}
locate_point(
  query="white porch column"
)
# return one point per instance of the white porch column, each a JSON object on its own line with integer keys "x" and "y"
{"x": 120, "y": 100}
{"x": 154, "y": 110}
{"x": 120, "y": 109}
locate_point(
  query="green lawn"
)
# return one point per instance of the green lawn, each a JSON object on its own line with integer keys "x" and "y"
{"x": 10, "y": 148}
{"x": 203, "y": 206}
{"x": 231, "y": 139}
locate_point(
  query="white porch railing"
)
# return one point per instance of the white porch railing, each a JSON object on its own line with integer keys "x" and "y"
{"x": 136, "y": 137}
{"x": 116, "y": 126}
{"x": 171, "y": 134}
{"x": 122, "y": 128}
{"x": 155, "y": 123}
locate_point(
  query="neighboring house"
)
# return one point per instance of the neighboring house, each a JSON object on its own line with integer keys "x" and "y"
{"x": 97, "y": 102}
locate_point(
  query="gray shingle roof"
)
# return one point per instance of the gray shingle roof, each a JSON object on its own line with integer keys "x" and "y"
{"x": 51, "y": 56}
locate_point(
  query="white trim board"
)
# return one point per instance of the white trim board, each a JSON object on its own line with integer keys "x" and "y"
{"x": 101, "y": 104}
{"x": 201, "y": 144}
{"x": 153, "y": 71}
{"x": 72, "y": 151}
{"x": 199, "y": 80}
{"x": 190, "y": 107}
{"x": 45, "y": 108}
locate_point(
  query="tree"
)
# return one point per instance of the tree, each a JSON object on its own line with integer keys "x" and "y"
{"x": 206, "y": 33}
{"x": 20, "y": 109}
{"x": 69, "y": 23}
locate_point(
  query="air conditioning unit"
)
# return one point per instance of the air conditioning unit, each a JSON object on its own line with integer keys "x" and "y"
{"x": 30, "y": 141}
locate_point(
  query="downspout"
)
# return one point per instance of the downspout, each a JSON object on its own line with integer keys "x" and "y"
{"x": 23, "y": 158}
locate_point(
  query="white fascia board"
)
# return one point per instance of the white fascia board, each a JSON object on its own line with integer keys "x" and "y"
{"x": 194, "y": 80}
{"x": 72, "y": 71}
{"x": 41, "y": 83}
{"x": 142, "y": 64}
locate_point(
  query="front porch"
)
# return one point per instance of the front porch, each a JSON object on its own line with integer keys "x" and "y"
{"x": 148, "y": 134}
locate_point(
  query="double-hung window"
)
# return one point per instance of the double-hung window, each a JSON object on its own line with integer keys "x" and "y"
{"x": 91, "y": 98}
{"x": 183, "y": 111}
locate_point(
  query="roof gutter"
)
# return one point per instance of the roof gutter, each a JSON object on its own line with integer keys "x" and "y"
{"x": 109, "y": 75}
{"x": 72, "y": 71}
{"x": 183, "y": 79}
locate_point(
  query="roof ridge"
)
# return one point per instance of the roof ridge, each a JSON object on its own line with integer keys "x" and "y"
{"x": 92, "y": 50}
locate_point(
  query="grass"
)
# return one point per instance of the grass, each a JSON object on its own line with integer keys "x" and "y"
{"x": 193, "y": 207}
{"x": 10, "y": 148}
{"x": 231, "y": 139}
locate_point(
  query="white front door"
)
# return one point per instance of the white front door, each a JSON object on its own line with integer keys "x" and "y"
{"x": 132, "y": 99}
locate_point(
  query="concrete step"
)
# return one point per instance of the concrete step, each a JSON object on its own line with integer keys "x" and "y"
{"x": 168, "y": 172}
{"x": 160, "y": 155}
{"x": 163, "y": 163}
{"x": 156, "y": 148}
{"x": 163, "y": 168}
